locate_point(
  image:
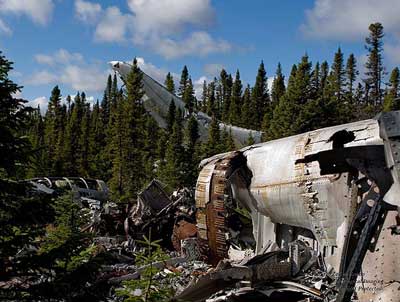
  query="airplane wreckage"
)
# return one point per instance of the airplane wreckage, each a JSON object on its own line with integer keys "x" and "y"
{"x": 311, "y": 217}
{"x": 329, "y": 196}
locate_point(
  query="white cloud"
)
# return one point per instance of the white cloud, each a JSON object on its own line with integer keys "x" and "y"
{"x": 113, "y": 26}
{"x": 156, "y": 24}
{"x": 15, "y": 74}
{"x": 40, "y": 11}
{"x": 164, "y": 17}
{"x": 155, "y": 72}
{"x": 41, "y": 101}
{"x": 4, "y": 29}
{"x": 270, "y": 80}
{"x": 343, "y": 19}
{"x": 361, "y": 60}
{"x": 42, "y": 77}
{"x": 84, "y": 78}
{"x": 61, "y": 56}
{"x": 199, "y": 43}
{"x": 87, "y": 11}
{"x": 171, "y": 28}
{"x": 393, "y": 52}
{"x": 69, "y": 69}
{"x": 213, "y": 69}
{"x": 198, "y": 86}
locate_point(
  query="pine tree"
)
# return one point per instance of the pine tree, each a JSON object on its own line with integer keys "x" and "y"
{"x": 115, "y": 146}
{"x": 68, "y": 101}
{"x": 171, "y": 116}
{"x": 211, "y": 103}
{"x": 338, "y": 75}
{"x": 218, "y": 103}
{"x": 315, "y": 82}
{"x": 83, "y": 160}
{"x": 36, "y": 137}
{"x": 114, "y": 90}
{"x": 53, "y": 124}
{"x": 14, "y": 147}
{"x": 391, "y": 101}
{"x": 227, "y": 142}
{"x": 173, "y": 170}
{"x": 106, "y": 102}
{"x": 204, "y": 97}
{"x": 278, "y": 91}
{"x": 191, "y": 153}
{"x": 213, "y": 144}
{"x": 260, "y": 99}
{"x": 169, "y": 83}
{"x": 149, "y": 149}
{"x": 72, "y": 146}
{"x": 188, "y": 96}
{"x": 374, "y": 65}
{"x": 225, "y": 82}
{"x": 22, "y": 217}
{"x": 236, "y": 101}
{"x": 128, "y": 175}
{"x": 58, "y": 161}
{"x": 323, "y": 77}
{"x": 97, "y": 166}
{"x": 278, "y": 86}
{"x": 285, "y": 112}
{"x": 246, "y": 112}
{"x": 351, "y": 74}
{"x": 184, "y": 81}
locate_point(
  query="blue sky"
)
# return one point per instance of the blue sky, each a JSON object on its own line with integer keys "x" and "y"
{"x": 69, "y": 42}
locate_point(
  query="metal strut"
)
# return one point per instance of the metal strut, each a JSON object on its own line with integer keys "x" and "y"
{"x": 365, "y": 225}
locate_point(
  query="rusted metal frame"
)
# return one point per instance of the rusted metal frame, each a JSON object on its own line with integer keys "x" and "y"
{"x": 348, "y": 277}
{"x": 369, "y": 218}
{"x": 215, "y": 210}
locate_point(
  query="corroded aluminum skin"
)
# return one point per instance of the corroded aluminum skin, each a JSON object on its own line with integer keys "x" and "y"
{"x": 296, "y": 194}
{"x": 282, "y": 192}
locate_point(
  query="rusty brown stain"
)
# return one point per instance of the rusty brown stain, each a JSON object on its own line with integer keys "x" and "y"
{"x": 293, "y": 182}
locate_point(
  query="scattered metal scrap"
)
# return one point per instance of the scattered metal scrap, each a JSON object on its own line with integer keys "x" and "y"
{"x": 312, "y": 217}
{"x": 336, "y": 190}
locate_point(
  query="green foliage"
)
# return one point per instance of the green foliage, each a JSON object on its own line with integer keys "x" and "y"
{"x": 213, "y": 144}
{"x": 169, "y": 83}
{"x": 128, "y": 171}
{"x": 14, "y": 147}
{"x": 147, "y": 288}
{"x": 184, "y": 81}
{"x": 64, "y": 238}
{"x": 225, "y": 86}
{"x": 171, "y": 116}
{"x": 250, "y": 140}
{"x": 236, "y": 101}
{"x": 227, "y": 142}
{"x": 118, "y": 142}
{"x": 39, "y": 165}
{"x": 260, "y": 101}
{"x": 246, "y": 112}
{"x": 351, "y": 73}
{"x": 374, "y": 65}
{"x": 211, "y": 106}
{"x": 23, "y": 219}
{"x": 172, "y": 171}
{"x": 391, "y": 101}
{"x": 278, "y": 86}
